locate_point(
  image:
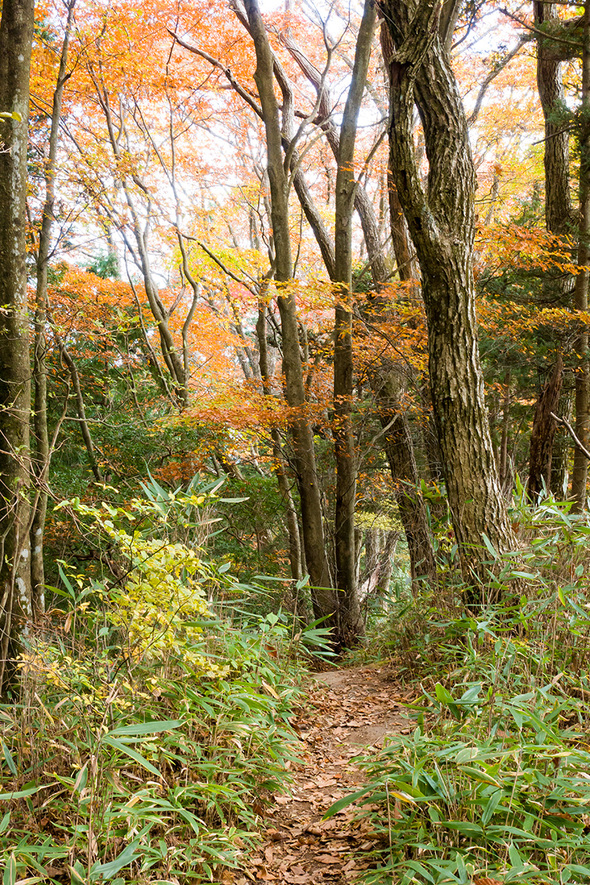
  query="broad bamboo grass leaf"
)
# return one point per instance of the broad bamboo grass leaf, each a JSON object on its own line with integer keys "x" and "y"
{"x": 498, "y": 765}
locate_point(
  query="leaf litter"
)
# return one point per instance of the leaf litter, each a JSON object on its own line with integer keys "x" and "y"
{"x": 349, "y": 712}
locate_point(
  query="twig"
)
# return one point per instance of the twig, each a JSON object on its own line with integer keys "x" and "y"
{"x": 572, "y": 433}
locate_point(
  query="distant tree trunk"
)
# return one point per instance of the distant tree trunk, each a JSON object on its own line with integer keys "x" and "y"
{"x": 442, "y": 224}
{"x": 16, "y": 33}
{"x": 277, "y": 451}
{"x": 324, "y": 598}
{"x": 80, "y": 409}
{"x": 543, "y": 431}
{"x": 172, "y": 353}
{"x": 379, "y": 552}
{"x": 412, "y": 511}
{"x": 559, "y": 215}
{"x": 560, "y": 460}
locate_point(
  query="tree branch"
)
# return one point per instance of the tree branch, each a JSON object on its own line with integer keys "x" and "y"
{"x": 572, "y": 433}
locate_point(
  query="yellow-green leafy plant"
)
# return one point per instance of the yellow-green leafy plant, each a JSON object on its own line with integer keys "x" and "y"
{"x": 149, "y": 730}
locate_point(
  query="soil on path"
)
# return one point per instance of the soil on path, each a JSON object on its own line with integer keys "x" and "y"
{"x": 351, "y": 710}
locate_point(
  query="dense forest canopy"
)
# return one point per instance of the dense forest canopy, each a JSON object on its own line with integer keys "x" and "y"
{"x": 293, "y": 326}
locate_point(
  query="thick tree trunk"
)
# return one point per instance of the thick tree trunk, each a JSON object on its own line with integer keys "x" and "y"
{"x": 442, "y": 223}
{"x": 16, "y": 33}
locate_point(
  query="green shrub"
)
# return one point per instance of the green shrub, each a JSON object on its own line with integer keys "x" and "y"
{"x": 149, "y": 733}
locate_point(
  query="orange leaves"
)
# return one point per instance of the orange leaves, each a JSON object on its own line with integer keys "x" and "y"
{"x": 515, "y": 246}
{"x": 84, "y": 304}
{"x": 392, "y": 329}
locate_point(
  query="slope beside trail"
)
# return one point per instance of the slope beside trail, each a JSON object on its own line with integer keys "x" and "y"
{"x": 349, "y": 711}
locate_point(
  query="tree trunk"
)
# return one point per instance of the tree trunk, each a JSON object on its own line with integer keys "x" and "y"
{"x": 580, "y": 469}
{"x": 559, "y": 216}
{"x": 277, "y": 451}
{"x": 542, "y": 434}
{"x": 16, "y": 33}
{"x": 344, "y": 535}
{"x": 442, "y": 223}
{"x": 325, "y": 602}
{"x": 387, "y": 378}
{"x": 558, "y": 204}
{"x": 42, "y": 454}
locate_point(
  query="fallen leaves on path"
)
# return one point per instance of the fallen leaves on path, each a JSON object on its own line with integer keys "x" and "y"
{"x": 349, "y": 710}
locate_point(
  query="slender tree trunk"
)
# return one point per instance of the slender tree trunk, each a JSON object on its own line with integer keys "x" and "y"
{"x": 16, "y": 33}
{"x": 42, "y": 455}
{"x": 80, "y": 408}
{"x": 505, "y": 428}
{"x": 277, "y": 450}
{"x": 560, "y": 461}
{"x": 442, "y": 224}
{"x": 171, "y": 353}
{"x": 412, "y": 511}
{"x": 325, "y": 602}
{"x": 580, "y": 470}
{"x": 345, "y": 546}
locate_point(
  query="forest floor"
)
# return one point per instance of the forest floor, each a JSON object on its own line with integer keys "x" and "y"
{"x": 350, "y": 712}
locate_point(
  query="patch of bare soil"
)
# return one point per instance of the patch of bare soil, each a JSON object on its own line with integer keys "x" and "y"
{"x": 350, "y": 710}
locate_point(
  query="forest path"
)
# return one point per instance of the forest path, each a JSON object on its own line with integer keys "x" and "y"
{"x": 349, "y": 711}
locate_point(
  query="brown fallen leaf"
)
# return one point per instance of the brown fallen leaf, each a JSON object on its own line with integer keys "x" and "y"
{"x": 351, "y": 865}
{"x": 273, "y": 835}
{"x": 328, "y": 858}
{"x": 484, "y": 880}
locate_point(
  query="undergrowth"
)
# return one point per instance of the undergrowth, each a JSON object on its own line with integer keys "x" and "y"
{"x": 495, "y": 779}
{"x": 147, "y": 733}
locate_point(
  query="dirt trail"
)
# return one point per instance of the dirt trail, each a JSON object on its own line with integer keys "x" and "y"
{"x": 350, "y": 710}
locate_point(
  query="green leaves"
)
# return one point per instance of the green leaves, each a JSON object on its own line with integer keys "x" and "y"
{"x": 141, "y": 729}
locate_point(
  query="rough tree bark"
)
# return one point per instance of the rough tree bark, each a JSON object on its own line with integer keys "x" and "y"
{"x": 580, "y": 469}
{"x": 441, "y": 221}
{"x": 559, "y": 215}
{"x": 16, "y": 33}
